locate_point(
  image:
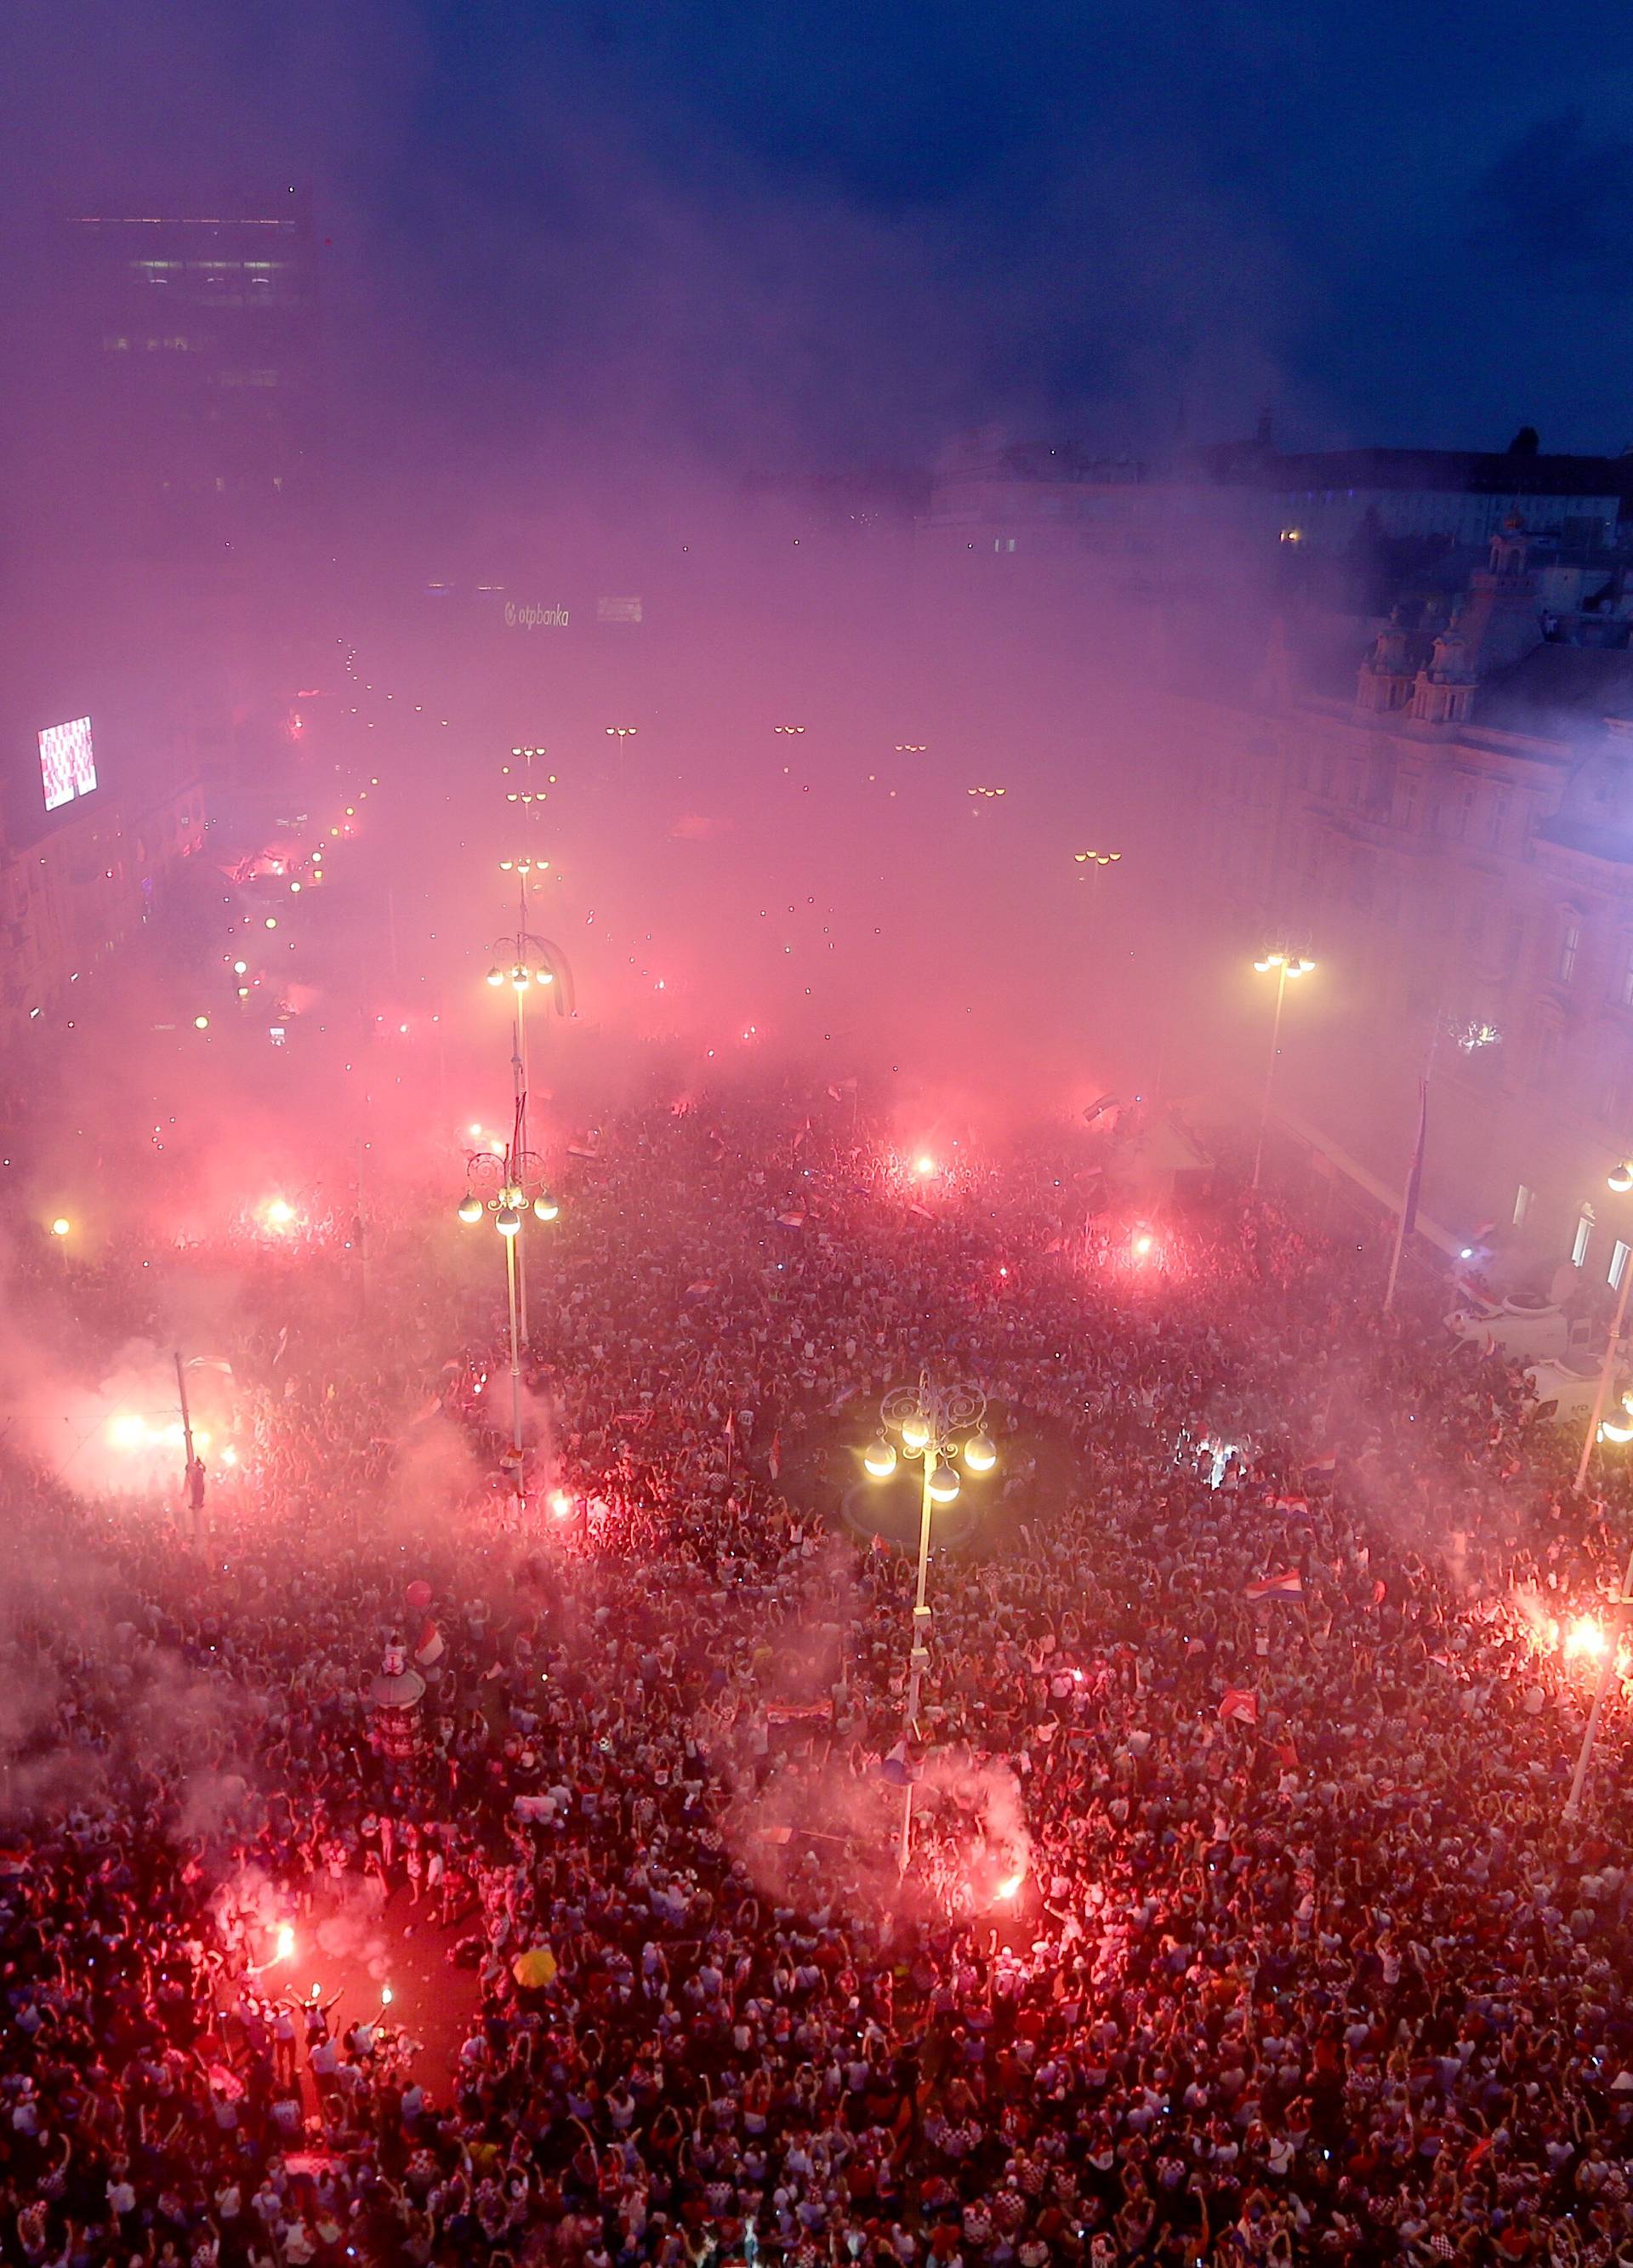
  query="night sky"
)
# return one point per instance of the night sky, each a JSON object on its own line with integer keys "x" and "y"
{"x": 774, "y": 235}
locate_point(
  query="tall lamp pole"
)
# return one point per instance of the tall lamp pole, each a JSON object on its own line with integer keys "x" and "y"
{"x": 522, "y": 960}
{"x": 933, "y": 1423}
{"x": 1285, "y": 964}
{"x": 1606, "y": 1671}
{"x": 512, "y": 1178}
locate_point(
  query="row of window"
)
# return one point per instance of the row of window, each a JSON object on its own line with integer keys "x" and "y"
{"x": 1619, "y": 1251}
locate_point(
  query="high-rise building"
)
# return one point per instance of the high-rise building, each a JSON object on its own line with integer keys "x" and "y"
{"x": 199, "y": 333}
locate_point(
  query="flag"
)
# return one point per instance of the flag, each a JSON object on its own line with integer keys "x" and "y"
{"x": 429, "y": 1646}
{"x": 773, "y": 1835}
{"x": 208, "y": 1362}
{"x": 1415, "y": 1177}
{"x": 1323, "y": 1465}
{"x": 1381, "y": 1591}
{"x": 774, "y": 1460}
{"x": 1236, "y": 1706}
{"x": 790, "y": 1221}
{"x": 701, "y": 1290}
{"x": 924, "y": 1212}
{"x": 577, "y": 1150}
{"x": 898, "y": 1768}
{"x": 1288, "y": 1584}
{"x": 798, "y": 1712}
{"x": 1291, "y": 1504}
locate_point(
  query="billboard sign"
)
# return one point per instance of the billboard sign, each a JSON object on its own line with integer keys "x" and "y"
{"x": 67, "y": 762}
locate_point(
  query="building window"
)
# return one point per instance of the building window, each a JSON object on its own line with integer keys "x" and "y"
{"x": 1624, "y": 986}
{"x": 1570, "y": 946}
{"x": 1522, "y": 1205}
{"x": 1584, "y": 1238}
{"x": 1620, "y": 1254}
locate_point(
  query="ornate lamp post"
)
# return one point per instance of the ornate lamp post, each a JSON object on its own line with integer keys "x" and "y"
{"x": 935, "y": 1425}
{"x": 524, "y": 961}
{"x": 513, "y": 1178}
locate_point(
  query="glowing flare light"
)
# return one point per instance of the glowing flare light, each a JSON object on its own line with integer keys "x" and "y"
{"x": 1586, "y": 1637}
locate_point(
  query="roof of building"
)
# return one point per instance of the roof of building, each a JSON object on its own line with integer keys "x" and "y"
{"x": 1467, "y": 472}
{"x": 1556, "y": 691}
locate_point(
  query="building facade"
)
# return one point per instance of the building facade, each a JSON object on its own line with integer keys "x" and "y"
{"x": 1452, "y": 836}
{"x": 201, "y": 336}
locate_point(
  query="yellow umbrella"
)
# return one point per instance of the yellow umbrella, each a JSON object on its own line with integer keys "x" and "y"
{"x": 535, "y": 1967}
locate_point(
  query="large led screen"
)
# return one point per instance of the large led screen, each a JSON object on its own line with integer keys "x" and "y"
{"x": 67, "y": 762}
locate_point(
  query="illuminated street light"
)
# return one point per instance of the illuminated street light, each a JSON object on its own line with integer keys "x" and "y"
{"x": 1621, "y": 1179}
{"x": 979, "y": 1453}
{"x": 1285, "y": 964}
{"x": 935, "y": 1424}
{"x": 527, "y": 961}
{"x": 514, "y": 1179}
{"x": 61, "y": 1226}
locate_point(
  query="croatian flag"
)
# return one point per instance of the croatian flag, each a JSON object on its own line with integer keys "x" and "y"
{"x": 1289, "y": 1585}
{"x": 430, "y": 1647}
{"x": 790, "y": 1221}
{"x": 1236, "y": 1706}
{"x": 897, "y": 1767}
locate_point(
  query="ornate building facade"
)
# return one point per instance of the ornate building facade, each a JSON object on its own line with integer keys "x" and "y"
{"x": 1451, "y": 833}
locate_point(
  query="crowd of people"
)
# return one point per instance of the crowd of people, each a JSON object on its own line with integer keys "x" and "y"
{"x": 1242, "y": 1920}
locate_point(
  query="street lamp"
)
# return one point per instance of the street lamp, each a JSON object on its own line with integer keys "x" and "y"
{"x": 937, "y": 1424}
{"x": 1285, "y": 964}
{"x": 511, "y": 1178}
{"x": 620, "y": 733}
{"x": 527, "y": 793}
{"x": 524, "y": 961}
{"x": 1609, "y": 1657}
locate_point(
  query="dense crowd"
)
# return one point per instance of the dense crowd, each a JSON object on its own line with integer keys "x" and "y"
{"x": 1241, "y": 1923}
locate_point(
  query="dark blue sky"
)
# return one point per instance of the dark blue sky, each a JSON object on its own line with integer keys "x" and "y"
{"x": 780, "y": 233}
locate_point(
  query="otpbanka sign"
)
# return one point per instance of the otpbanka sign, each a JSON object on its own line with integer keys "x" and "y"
{"x": 534, "y": 618}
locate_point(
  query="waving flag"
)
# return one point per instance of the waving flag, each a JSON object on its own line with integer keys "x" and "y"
{"x": 1238, "y": 1707}
{"x": 1288, "y": 1584}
